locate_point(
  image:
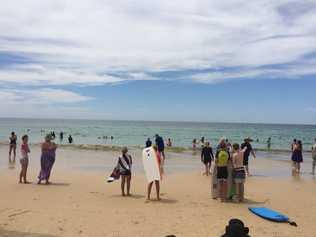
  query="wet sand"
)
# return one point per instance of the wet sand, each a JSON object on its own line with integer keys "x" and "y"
{"x": 81, "y": 203}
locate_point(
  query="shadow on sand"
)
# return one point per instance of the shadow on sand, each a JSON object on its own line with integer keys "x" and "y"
{"x": 252, "y": 202}
{"x": 133, "y": 196}
{"x": 54, "y": 184}
{"x": 22, "y": 234}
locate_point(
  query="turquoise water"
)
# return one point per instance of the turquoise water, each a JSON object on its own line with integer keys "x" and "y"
{"x": 136, "y": 132}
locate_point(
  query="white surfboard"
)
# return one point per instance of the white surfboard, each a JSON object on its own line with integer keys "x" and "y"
{"x": 151, "y": 165}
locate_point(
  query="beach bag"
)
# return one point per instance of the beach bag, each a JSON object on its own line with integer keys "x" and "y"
{"x": 115, "y": 175}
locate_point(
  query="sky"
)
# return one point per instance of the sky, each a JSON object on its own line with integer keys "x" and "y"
{"x": 193, "y": 60}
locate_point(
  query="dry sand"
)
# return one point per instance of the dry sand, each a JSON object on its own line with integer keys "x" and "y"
{"x": 81, "y": 203}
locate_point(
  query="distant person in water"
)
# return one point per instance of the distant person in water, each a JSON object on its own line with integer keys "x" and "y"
{"x": 207, "y": 157}
{"x": 169, "y": 142}
{"x": 314, "y": 156}
{"x": 124, "y": 165}
{"x": 61, "y": 136}
{"x": 53, "y": 135}
{"x": 194, "y": 143}
{"x": 160, "y": 146}
{"x": 148, "y": 143}
{"x": 297, "y": 157}
{"x": 112, "y": 137}
{"x": 269, "y": 143}
{"x": 70, "y": 140}
{"x": 47, "y": 159}
{"x": 24, "y": 159}
{"x": 202, "y": 141}
{"x": 249, "y": 150}
{"x": 12, "y": 147}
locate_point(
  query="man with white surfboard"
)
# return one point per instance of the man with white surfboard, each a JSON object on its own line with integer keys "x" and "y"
{"x": 153, "y": 171}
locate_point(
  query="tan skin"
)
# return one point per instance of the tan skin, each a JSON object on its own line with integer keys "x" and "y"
{"x": 24, "y": 167}
{"x": 126, "y": 179}
{"x": 47, "y": 145}
{"x": 240, "y": 186}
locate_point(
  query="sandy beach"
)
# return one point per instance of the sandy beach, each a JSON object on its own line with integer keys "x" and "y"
{"x": 81, "y": 203}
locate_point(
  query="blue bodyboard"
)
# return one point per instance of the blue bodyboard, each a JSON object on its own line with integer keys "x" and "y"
{"x": 269, "y": 214}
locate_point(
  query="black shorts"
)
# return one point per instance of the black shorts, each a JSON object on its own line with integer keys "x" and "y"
{"x": 125, "y": 173}
{"x": 246, "y": 159}
{"x": 222, "y": 172}
{"x": 207, "y": 161}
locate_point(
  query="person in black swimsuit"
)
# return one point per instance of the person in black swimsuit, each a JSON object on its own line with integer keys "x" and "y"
{"x": 13, "y": 139}
{"x": 207, "y": 157}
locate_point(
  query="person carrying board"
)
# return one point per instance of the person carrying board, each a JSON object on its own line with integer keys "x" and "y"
{"x": 153, "y": 169}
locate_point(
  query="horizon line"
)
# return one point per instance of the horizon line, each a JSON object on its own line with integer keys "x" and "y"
{"x": 163, "y": 121}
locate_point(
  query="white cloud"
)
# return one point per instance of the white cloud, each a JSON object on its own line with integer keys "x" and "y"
{"x": 83, "y": 42}
{"x": 43, "y": 96}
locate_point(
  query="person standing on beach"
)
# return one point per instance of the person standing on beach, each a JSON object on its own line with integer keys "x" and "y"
{"x": 297, "y": 157}
{"x": 207, "y": 157}
{"x": 12, "y": 147}
{"x": 47, "y": 159}
{"x": 314, "y": 156}
{"x": 161, "y": 147}
{"x": 239, "y": 171}
{"x": 157, "y": 182}
{"x": 221, "y": 159}
{"x": 249, "y": 150}
{"x": 148, "y": 143}
{"x": 24, "y": 159}
{"x": 124, "y": 165}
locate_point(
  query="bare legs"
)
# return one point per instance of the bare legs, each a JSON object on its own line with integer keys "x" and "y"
{"x": 149, "y": 187}
{"x": 23, "y": 174}
{"x": 207, "y": 169}
{"x": 240, "y": 192}
{"x": 314, "y": 164}
{"x": 12, "y": 148}
{"x": 296, "y": 168}
{"x": 126, "y": 179}
{"x": 222, "y": 189}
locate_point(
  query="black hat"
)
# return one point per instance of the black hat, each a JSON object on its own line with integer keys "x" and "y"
{"x": 236, "y": 228}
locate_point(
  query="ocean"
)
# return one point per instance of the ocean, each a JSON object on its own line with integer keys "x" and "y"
{"x": 134, "y": 133}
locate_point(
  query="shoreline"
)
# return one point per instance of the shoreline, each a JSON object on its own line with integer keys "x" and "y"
{"x": 176, "y": 149}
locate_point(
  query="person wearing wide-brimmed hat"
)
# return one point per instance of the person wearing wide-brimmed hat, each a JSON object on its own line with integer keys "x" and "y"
{"x": 249, "y": 150}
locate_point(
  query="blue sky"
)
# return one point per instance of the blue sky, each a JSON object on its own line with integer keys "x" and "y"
{"x": 198, "y": 60}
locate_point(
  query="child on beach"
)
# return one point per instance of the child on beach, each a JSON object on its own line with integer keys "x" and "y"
{"x": 239, "y": 171}
{"x": 124, "y": 165}
{"x": 24, "y": 159}
{"x": 314, "y": 156}
{"x": 221, "y": 159}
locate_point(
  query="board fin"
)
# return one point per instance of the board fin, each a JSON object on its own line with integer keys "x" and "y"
{"x": 292, "y": 223}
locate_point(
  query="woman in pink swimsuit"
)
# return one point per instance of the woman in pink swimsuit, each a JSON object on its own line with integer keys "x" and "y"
{"x": 24, "y": 158}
